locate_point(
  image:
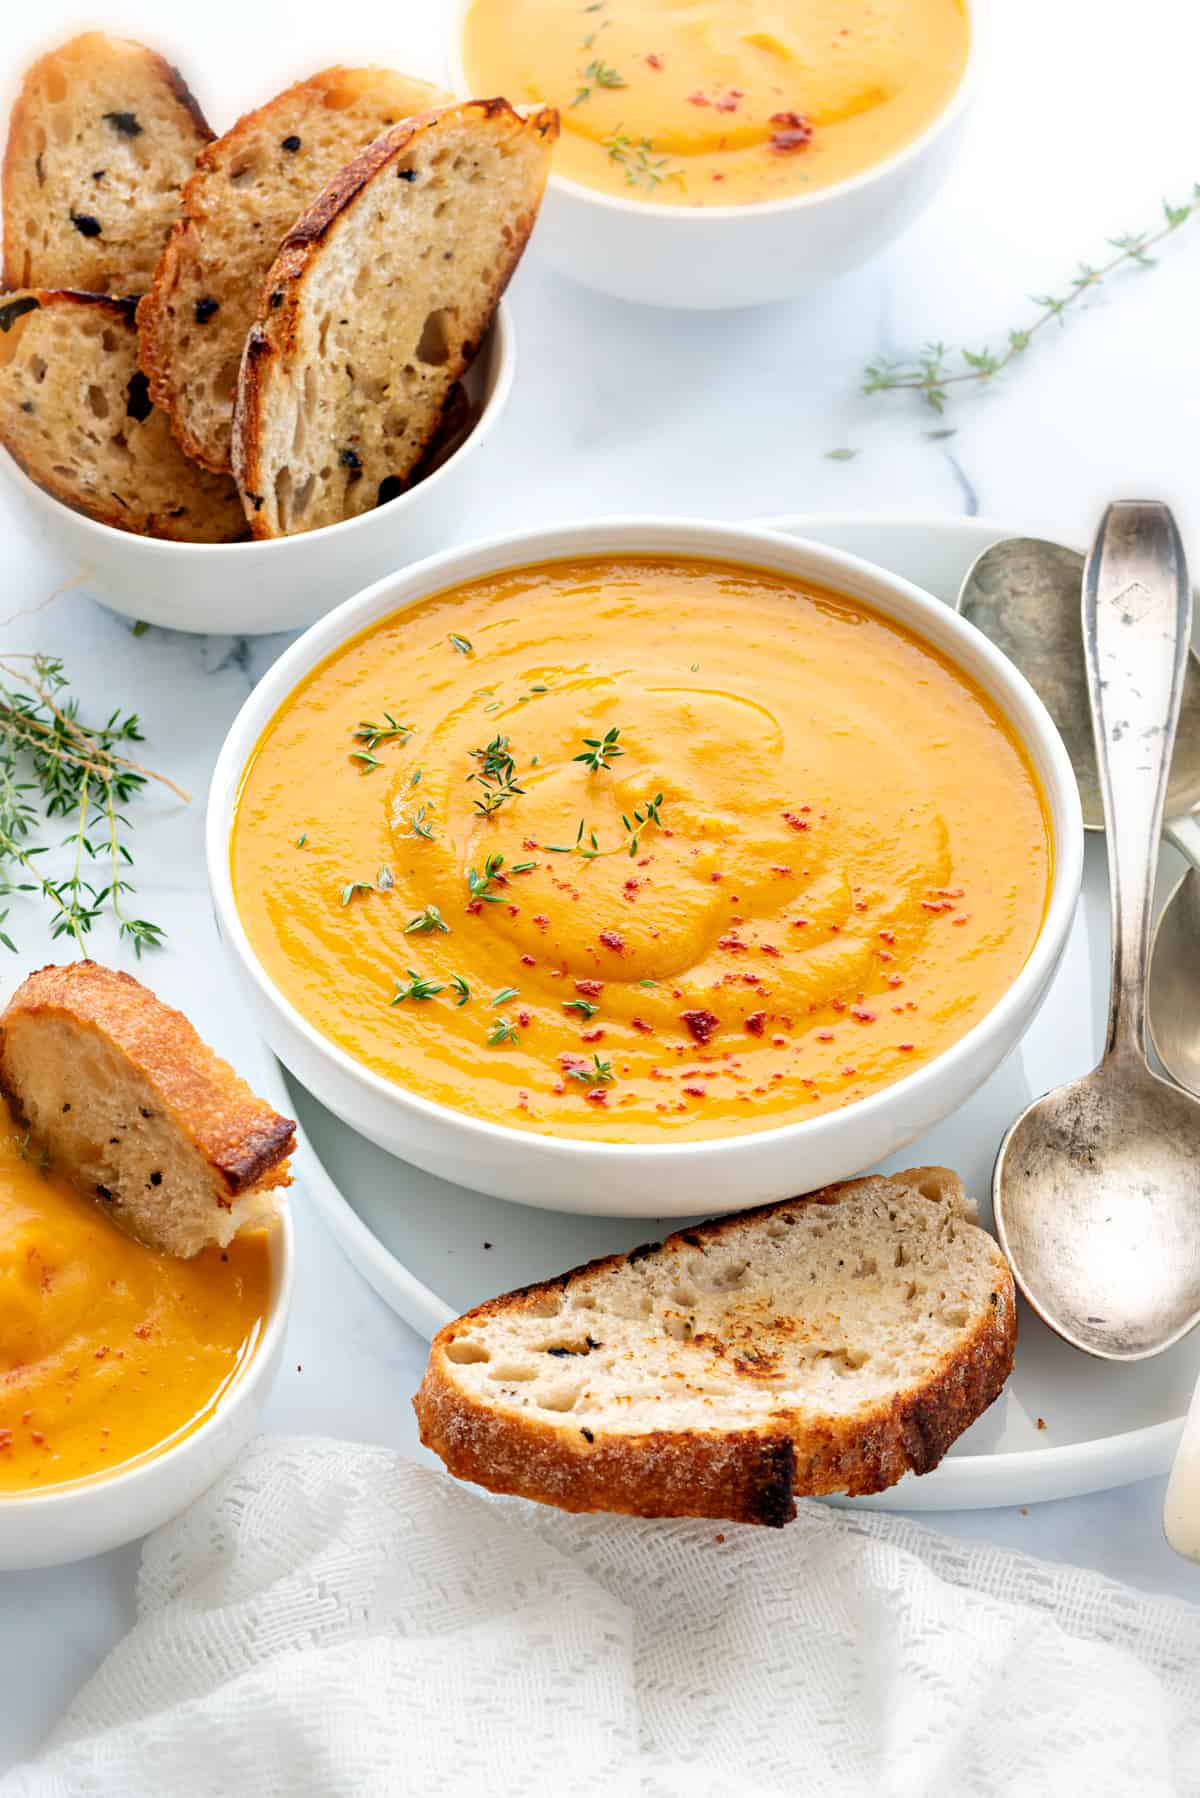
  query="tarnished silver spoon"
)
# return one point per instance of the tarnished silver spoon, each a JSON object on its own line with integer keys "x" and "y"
{"x": 1097, "y": 1185}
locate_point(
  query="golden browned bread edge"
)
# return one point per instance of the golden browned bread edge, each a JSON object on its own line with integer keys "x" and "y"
{"x": 170, "y": 76}
{"x": 242, "y": 1139}
{"x": 274, "y": 333}
{"x": 746, "y": 1476}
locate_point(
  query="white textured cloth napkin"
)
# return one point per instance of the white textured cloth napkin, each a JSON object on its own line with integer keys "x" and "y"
{"x": 334, "y": 1620}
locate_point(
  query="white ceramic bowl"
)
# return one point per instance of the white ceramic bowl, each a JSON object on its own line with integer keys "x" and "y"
{"x": 706, "y": 257}
{"x": 88, "y": 1517}
{"x": 289, "y": 582}
{"x": 667, "y": 1179}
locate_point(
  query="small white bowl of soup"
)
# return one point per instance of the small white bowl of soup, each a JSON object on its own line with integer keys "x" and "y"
{"x": 643, "y": 868}
{"x": 129, "y": 1380}
{"x": 726, "y": 152}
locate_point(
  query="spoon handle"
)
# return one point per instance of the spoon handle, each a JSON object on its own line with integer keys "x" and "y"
{"x": 1137, "y": 616}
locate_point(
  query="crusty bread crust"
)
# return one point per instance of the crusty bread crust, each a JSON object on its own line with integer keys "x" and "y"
{"x": 244, "y": 1142}
{"x": 741, "y": 1475}
{"x": 276, "y": 337}
{"x": 76, "y": 417}
{"x": 200, "y": 251}
{"x": 76, "y": 261}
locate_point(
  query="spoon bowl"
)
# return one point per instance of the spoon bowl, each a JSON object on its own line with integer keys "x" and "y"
{"x": 1173, "y": 998}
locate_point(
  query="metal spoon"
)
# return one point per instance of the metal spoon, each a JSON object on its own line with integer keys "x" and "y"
{"x": 1095, "y": 1185}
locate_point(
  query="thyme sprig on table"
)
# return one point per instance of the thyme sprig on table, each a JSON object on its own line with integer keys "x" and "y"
{"x": 54, "y": 765}
{"x": 937, "y": 368}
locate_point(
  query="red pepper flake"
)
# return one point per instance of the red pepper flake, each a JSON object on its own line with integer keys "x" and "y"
{"x": 795, "y": 823}
{"x": 824, "y": 1036}
{"x": 591, "y": 989}
{"x": 751, "y": 979}
{"x": 641, "y": 1024}
{"x": 951, "y": 892}
{"x": 101, "y": 1351}
{"x": 654, "y": 61}
{"x": 699, "y": 99}
{"x": 849, "y": 1071}
{"x": 965, "y": 919}
{"x": 143, "y": 1332}
{"x": 569, "y": 1062}
{"x": 756, "y": 1022}
{"x": 894, "y": 980}
{"x": 780, "y": 1042}
{"x": 838, "y": 1004}
{"x": 908, "y": 1047}
{"x": 593, "y": 1036}
{"x": 529, "y": 843}
{"x": 514, "y": 911}
{"x": 695, "y": 1092}
{"x": 835, "y": 930}
{"x": 527, "y": 961}
{"x": 597, "y": 1095}
{"x": 799, "y": 923}
{"x": 717, "y": 176}
{"x": 613, "y": 941}
{"x": 476, "y": 906}
{"x": 542, "y": 921}
{"x": 729, "y": 101}
{"x": 524, "y": 1019}
{"x": 883, "y": 955}
{"x": 861, "y": 1013}
{"x": 5, "y": 1439}
{"x": 716, "y": 877}
{"x": 731, "y": 942}
{"x": 780, "y": 868}
{"x": 700, "y": 1024}
{"x": 794, "y": 131}
{"x": 887, "y": 936}
{"x": 768, "y": 949}
{"x": 36, "y": 1437}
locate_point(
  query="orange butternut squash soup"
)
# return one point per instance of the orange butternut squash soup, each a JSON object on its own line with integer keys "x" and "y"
{"x": 108, "y": 1350}
{"x": 634, "y": 848}
{"x": 721, "y": 102}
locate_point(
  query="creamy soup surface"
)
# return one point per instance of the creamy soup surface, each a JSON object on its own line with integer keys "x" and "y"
{"x": 634, "y": 849}
{"x": 721, "y": 102}
{"x": 109, "y": 1351}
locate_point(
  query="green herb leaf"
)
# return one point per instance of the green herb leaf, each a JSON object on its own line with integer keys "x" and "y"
{"x": 582, "y": 1006}
{"x": 600, "y": 752}
{"x": 416, "y": 988}
{"x": 461, "y": 988}
{"x": 429, "y": 920}
{"x": 502, "y": 1032}
{"x": 841, "y": 455}
{"x": 354, "y": 886}
{"x": 462, "y": 644}
{"x": 599, "y": 1074}
{"x": 505, "y": 994}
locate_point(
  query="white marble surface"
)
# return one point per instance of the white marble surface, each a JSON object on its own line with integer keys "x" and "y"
{"x": 1086, "y": 117}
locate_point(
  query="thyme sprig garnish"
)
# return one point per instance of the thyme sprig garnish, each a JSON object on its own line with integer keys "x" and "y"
{"x": 463, "y": 645}
{"x": 478, "y": 884}
{"x": 636, "y": 156}
{"x": 505, "y": 994}
{"x": 371, "y": 735}
{"x": 937, "y": 368}
{"x": 599, "y": 1074}
{"x": 461, "y": 988}
{"x": 419, "y": 824}
{"x": 597, "y": 74}
{"x": 355, "y": 886}
{"x": 53, "y": 765}
{"x": 583, "y": 1006}
{"x": 502, "y": 1032}
{"x": 644, "y": 814}
{"x": 496, "y": 774}
{"x": 416, "y": 988}
{"x": 426, "y": 922}
{"x": 600, "y": 752}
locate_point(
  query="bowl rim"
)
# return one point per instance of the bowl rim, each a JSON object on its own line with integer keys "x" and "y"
{"x": 501, "y": 334}
{"x": 153, "y": 1465}
{"x": 729, "y": 541}
{"x": 454, "y": 75}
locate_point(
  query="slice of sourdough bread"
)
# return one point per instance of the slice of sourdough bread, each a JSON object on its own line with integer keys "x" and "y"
{"x": 249, "y": 188}
{"x": 826, "y": 1344}
{"x": 137, "y": 1111}
{"x": 378, "y": 301}
{"x": 103, "y": 136}
{"x": 75, "y": 413}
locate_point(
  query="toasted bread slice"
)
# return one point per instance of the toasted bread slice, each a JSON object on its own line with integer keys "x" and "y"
{"x": 76, "y": 415}
{"x": 249, "y": 188}
{"x": 103, "y": 136}
{"x": 376, "y": 303}
{"x": 827, "y": 1344}
{"x": 137, "y": 1111}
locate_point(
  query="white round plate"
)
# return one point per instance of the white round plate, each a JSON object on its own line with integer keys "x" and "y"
{"x": 1065, "y": 1424}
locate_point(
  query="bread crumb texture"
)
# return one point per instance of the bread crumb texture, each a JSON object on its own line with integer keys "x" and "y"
{"x": 102, "y": 138}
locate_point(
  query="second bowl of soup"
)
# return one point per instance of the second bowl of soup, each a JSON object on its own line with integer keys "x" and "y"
{"x": 644, "y": 867}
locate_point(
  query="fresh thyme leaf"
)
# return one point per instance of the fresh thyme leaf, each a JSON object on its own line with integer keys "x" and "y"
{"x": 938, "y": 436}
{"x": 502, "y": 1032}
{"x": 354, "y": 886}
{"x": 478, "y": 884}
{"x": 647, "y": 982}
{"x": 4, "y": 936}
{"x": 695, "y": 667}
{"x": 462, "y": 644}
{"x": 302, "y": 839}
{"x": 53, "y": 765}
{"x": 461, "y": 988}
{"x": 636, "y": 157}
{"x": 140, "y": 628}
{"x": 840, "y": 455}
{"x": 600, "y": 1073}
{"x": 505, "y": 994}
{"x": 419, "y": 825}
{"x": 522, "y": 867}
{"x": 416, "y": 778}
{"x": 385, "y": 880}
{"x": 371, "y": 735}
{"x": 937, "y": 368}
{"x": 582, "y": 1006}
{"x": 497, "y": 774}
{"x": 600, "y": 752}
{"x": 429, "y": 920}
{"x": 416, "y": 988}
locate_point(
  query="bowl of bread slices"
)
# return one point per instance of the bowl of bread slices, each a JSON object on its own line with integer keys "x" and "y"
{"x": 241, "y": 377}
{"x": 146, "y": 1263}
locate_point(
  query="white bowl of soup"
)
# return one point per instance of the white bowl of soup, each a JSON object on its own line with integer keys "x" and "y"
{"x": 129, "y": 1380}
{"x": 643, "y": 867}
{"x": 730, "y": 152}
